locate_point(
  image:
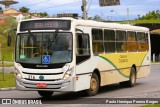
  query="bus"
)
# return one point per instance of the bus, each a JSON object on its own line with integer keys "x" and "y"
{"x": 71, "y": 55}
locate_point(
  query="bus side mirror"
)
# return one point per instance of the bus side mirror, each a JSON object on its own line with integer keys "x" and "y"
{"x": 9, "y": 40}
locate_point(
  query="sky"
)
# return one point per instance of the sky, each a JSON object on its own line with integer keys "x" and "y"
{"x": 119, "y": 12}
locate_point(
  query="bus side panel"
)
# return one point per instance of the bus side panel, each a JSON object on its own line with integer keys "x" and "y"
{"x": 84, "y": 74}
{"x": 116, "y": 67}
{"x": 111, "y": 77}
{"x": 109, "y": 74}
{"x": 144, "y": 70}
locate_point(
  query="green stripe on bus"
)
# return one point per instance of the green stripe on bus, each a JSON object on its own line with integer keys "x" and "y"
{"x": 114, "y": 66}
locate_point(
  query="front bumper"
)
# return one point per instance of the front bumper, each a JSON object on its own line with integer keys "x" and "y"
{"x": 56, "y": 85}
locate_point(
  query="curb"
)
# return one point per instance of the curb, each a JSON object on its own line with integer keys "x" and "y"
{"x": 7, "y": 89}
{"x": 155, "y": 63}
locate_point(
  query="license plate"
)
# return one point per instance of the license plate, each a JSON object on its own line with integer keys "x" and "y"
{"x": 41, "y": 85}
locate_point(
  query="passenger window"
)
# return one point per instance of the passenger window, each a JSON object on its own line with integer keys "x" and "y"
{"x": 83, "y": 48}
{"x": 131, "y": 41}
{"x": 97, "y": 41}
{"x": 121, "y": 43}
{"x": 141, "y": 41}
{"x": 109, "y": 41}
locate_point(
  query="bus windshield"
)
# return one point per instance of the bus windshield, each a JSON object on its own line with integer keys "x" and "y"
{"x": 31, "y": 47}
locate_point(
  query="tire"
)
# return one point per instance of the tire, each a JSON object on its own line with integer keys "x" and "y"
{"x": 132, "y": 79}
{"x": 94, "y": 85}
{"x": 45, "y": 94}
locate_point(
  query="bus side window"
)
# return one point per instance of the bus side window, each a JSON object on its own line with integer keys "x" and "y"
{"x": 82, "y": 48}
{"x": 141, "y": 41}
{"x": 97, "y": 41}
{"x": 121, "y": 43}
{"x": 109, "y": 41}
{"x": 131, "y": 41}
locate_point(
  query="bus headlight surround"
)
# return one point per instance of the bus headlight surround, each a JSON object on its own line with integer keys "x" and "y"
{"x": 68, "y": 73}
{"x": 18, "y": 73}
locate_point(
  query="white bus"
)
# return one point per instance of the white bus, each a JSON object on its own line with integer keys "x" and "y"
{"x": 66, "y": 54}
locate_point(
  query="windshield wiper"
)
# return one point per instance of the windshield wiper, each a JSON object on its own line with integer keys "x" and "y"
{"x": 56, "y": 34}
{"x": 31, "y": 35}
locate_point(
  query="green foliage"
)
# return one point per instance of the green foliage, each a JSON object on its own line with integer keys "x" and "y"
{"x": 153, "y": 15}
{"x": 43, "y": 14}
{"x": 10, "y": 23}
{"x": 24, "y": 9}
{"x": 9, "y": 80}
{"x": 140, "y": 22}
{"x": 97, "y": 17}
{"x": 152, "y": 105}
{"x": 7, "y": 52}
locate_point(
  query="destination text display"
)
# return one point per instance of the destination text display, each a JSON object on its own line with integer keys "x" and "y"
{"x": 45, "y": 25}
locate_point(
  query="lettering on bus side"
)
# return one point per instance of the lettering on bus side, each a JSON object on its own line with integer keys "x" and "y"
{"x": 123, "y": 59}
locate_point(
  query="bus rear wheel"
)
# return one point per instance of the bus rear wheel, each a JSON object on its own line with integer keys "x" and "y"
{"x": 94, "y": 85}
{"x": 45, "y": 94}
{"x": 132, "y": 79}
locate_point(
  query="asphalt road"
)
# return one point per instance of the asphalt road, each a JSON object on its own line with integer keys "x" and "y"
{"x": 145, "y": 88}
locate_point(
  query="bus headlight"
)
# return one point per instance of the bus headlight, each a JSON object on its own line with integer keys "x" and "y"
{"x": 68, "y": 73}
{"x": 18, "y": 74}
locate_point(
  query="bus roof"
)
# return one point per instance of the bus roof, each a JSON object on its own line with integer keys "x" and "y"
{"x": 117, "y": 26}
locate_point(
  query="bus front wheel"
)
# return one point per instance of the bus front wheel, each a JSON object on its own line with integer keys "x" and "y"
{"x": 45, "y": 94}
{"x": 94, "y": 85}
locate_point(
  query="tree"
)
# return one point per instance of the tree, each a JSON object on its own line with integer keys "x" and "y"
{"x": 1, "y": 10}
{"x": 139, "y": 16}
{"x": 97, "y": 17}
{"x": 24, "y": 9}
{"x": 10, "y": 23}
{"x": 90, "y": 18}
{"x": 151, "y": 15}
{"x": 43, "y": 14}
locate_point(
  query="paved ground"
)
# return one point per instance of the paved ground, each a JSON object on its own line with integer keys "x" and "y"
{"x": 145, "y": 88}
{"x": 7, "y": 69}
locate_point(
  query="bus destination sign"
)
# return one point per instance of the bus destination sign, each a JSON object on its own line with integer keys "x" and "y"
{"x": 45, "y": 25}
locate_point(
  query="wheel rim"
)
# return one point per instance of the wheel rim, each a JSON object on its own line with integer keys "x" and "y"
{"x": 133, "y": 78}
{"x": 93, "y": 84}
